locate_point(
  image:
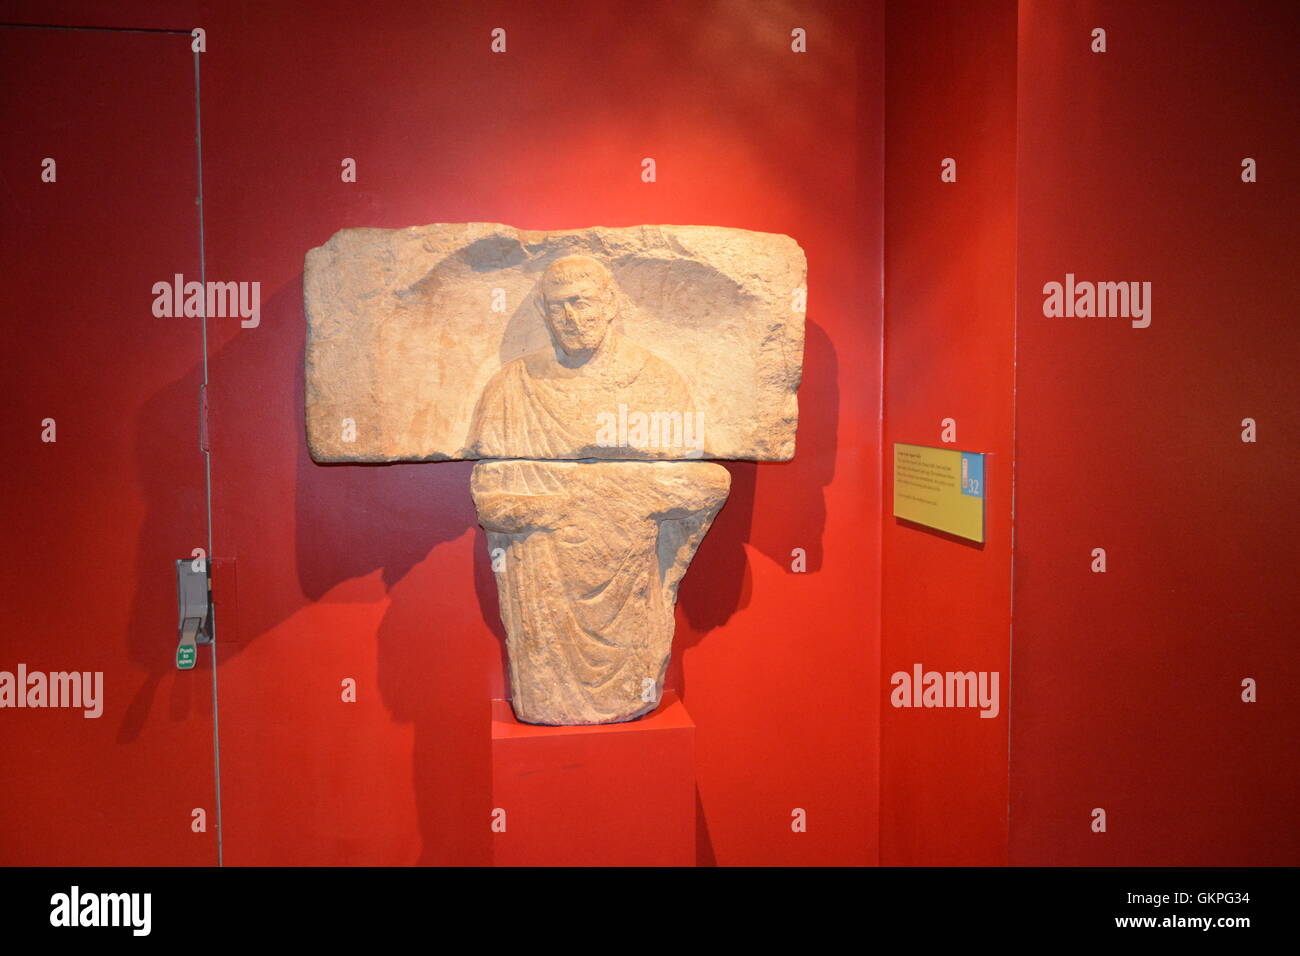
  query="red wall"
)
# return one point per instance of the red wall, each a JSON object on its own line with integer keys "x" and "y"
{"x": 1127, "y": 692}
{"x": 1119, "y": 690}
{"x": 380, "y": 573}
{"x": 949, "y": 321}
{"x": 93, "y": 521}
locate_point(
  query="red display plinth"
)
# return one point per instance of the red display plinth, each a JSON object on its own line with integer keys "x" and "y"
{"x": 608, "y": 795}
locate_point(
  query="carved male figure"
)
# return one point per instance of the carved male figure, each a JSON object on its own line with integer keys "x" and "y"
{"x": 590, "y": 553}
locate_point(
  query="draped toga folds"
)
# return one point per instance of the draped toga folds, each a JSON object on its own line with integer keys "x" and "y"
{"x": 534, "y": 407}
{"x": 587, "y": 554}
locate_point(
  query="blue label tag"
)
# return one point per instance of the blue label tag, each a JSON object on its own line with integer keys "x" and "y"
{"x": 972, "y": 474}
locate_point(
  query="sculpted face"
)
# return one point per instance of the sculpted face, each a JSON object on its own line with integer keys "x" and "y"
{"x": 579, "y": 311}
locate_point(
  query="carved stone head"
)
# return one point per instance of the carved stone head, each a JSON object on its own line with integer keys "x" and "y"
{"x": 579, "y": 300}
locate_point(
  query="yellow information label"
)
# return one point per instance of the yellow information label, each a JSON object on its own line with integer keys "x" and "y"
{"x": 940, "y": 488}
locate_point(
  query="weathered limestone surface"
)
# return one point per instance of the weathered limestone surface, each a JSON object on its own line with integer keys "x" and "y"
{"x": 584, "y": 366}
{"x": 588, "y": 556}
{"x": 407, "y": 357}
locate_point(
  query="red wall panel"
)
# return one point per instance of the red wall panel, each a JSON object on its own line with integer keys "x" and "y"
{"x": 1127, "y": 692}
{"x": 93, "y": 521}
{"x": 549, "y": 135}
{"x": 379, "y": 573}
{"x": 949, "y": 332}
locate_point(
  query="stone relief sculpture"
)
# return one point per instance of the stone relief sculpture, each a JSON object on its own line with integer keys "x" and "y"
{"x": 593, "y": 509}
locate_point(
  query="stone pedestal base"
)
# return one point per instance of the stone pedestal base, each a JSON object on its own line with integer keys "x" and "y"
{"x": 613, "y": 795}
